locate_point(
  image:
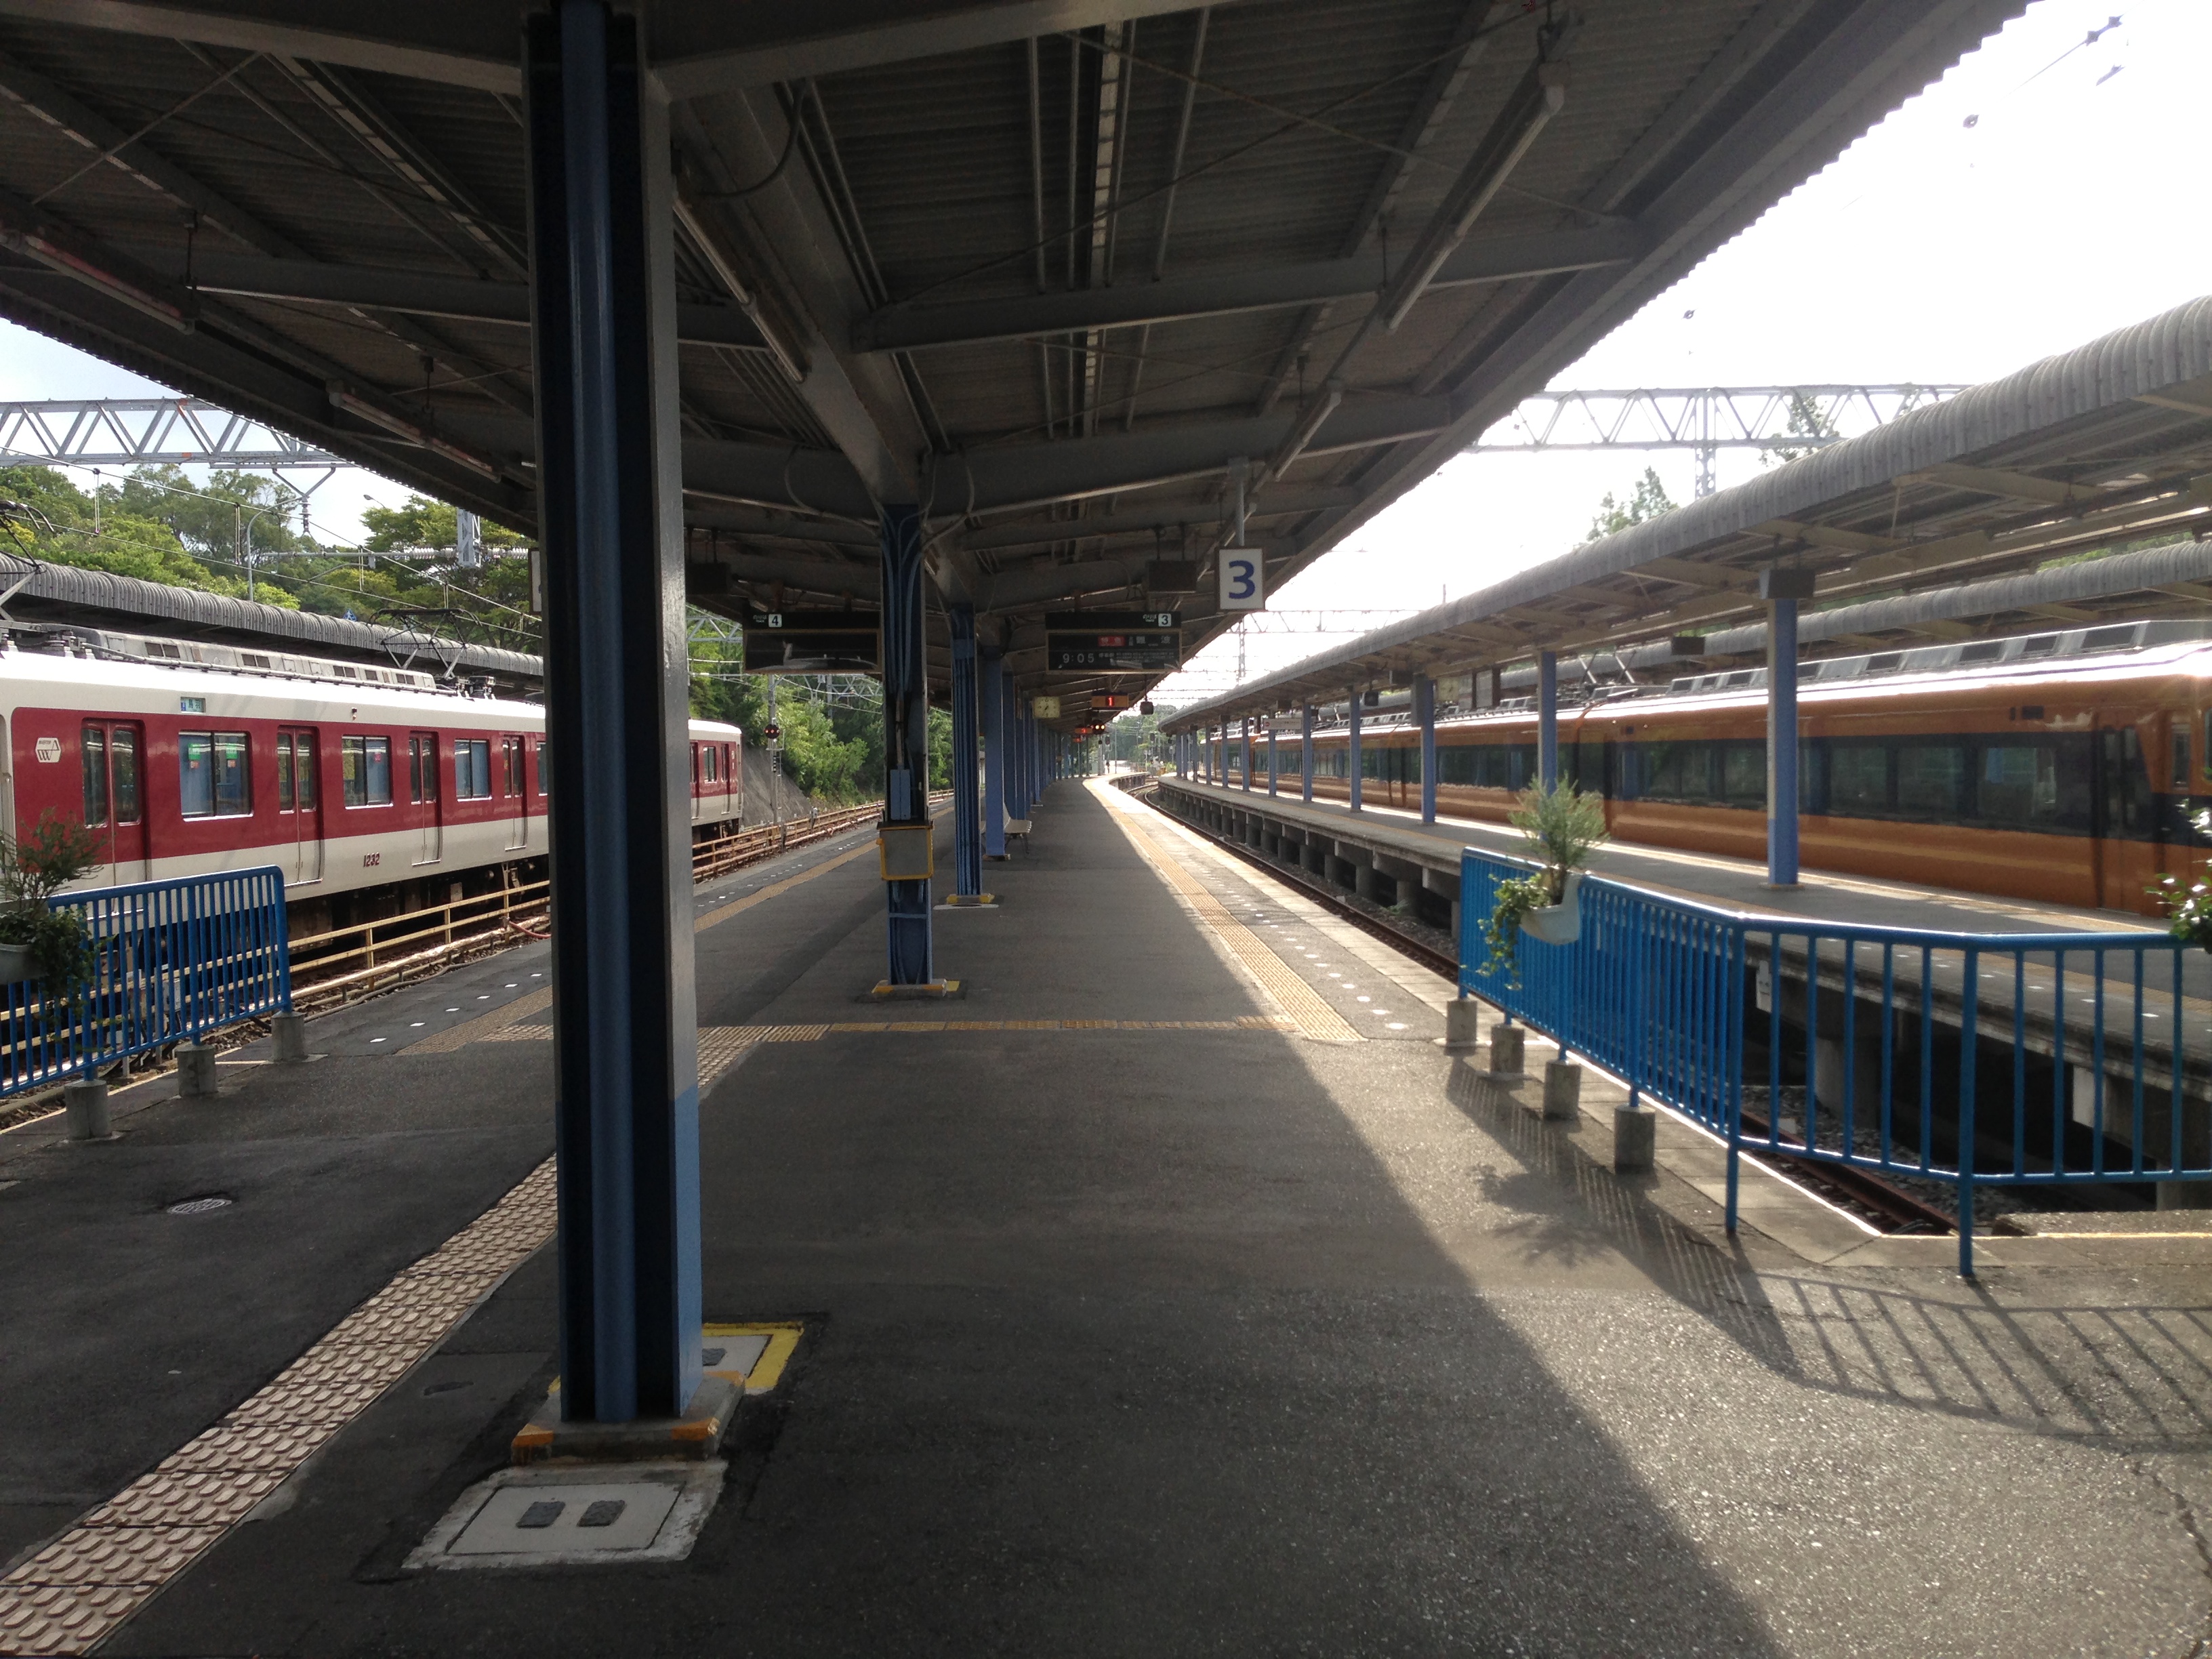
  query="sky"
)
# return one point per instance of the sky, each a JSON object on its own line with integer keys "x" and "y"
{"x": 2034, "y": 198}
{"x": 1933, "y": 251}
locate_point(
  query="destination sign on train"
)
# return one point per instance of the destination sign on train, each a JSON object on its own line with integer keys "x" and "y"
{"x": 812, "y": 642}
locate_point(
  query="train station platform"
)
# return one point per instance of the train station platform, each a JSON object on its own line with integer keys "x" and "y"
{"x": 1171, "y": 1292}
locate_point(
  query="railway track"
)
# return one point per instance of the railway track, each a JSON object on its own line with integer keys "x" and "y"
{"x": 1866, "y": 1196}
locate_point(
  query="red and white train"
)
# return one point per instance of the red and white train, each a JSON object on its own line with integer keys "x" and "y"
{"x": 374, "y": 789}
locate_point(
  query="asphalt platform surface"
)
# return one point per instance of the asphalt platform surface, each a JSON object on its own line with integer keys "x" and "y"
{"x": 1117, "y": 1341}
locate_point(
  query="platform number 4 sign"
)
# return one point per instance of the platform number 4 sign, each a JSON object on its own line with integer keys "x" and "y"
{"x": 1243, "y": 579}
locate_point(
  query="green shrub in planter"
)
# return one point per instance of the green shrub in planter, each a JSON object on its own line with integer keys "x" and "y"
{"x": 32, "y": 869}
{"x": 1562, "y": 826}
{"x": 2187, "y": 910}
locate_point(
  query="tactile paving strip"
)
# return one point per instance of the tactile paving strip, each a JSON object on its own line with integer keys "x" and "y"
{"x": 1304, "y": 1005}
{"x": 71, "y": 1594}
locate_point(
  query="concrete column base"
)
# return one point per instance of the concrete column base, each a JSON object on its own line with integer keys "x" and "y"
{"x": 290, "y": 1032}
{"x": 1563, "y": 1090}
{"x": 1460, "y": 1034}
{"x": 1505, "y": 1050}
{"x": 1635, "y": 1139}
{"x": 195, "y": 1070}
{"x": 86, "y": 1103}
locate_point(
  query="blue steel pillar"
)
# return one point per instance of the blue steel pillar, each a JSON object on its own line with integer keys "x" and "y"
{"x": 967, "y": 811}
{"x": 1352, "y": 750}
{"x": 1248, "y": 754}
{"x": 1782, "y": 742}
{"x": 906, "y": 737}
{"x": 992, "y": 694}
{"x": 1305, "y": 754}
{"x": 1274, "y": 772}
{"x": 1547, "y": 719}
{"x": 625, "y": 1031}
{"x": 1425, "y": 710}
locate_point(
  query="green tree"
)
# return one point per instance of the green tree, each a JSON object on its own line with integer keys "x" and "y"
{"x": 44, "y": 516}
{"x": 1806, "y": 421}
{"x": 1645, "y": 502}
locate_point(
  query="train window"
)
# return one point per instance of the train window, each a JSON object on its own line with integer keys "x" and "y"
{"x": 422, "y": 768}
{"x": 1858, "y": 779}
{"x": 123, "y": 772}
{"x": 2019, "y": 783}
{"x": 472, "y": 769}
{"x": 510, "y": 757}
{"x": 1931, "y": 777}
{"x": 545, "y": 771}
{"x": 296, "y": 772}
{"x": 710, "y": 763}
{"x": 1743, "y": 773}
{"x": 366, "y": 765}
{"x": 2180, "y": 741}
{"x": 215, "y": 777}
{"x": 95, "y": 775}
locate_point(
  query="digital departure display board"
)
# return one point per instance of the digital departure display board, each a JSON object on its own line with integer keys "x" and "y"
{"x": 812, "y": 642}
{"x": 1113, "y": 641}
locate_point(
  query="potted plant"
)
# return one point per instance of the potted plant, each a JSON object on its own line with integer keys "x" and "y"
{"x": 2189, "y": 910}
{"x": 1561, "y": 826}
{"x": 36, "y": 940}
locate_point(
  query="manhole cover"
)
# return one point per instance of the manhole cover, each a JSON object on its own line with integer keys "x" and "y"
{"x": 199, "y": 1206}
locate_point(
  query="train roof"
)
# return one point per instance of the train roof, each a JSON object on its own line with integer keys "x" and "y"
{"x": 2127, "y": 647}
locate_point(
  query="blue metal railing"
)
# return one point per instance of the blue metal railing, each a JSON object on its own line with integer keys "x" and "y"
{"x": 173, "y": 961}
{"x": 1968, "y": 1058}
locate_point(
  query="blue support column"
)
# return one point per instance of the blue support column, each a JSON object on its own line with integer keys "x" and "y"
{"x": 1352, "y": 750}
{"x": 1305, "y": 754}
{"x": 1248, "y": 754}
{"x": 967, "y": 810}
{"x": 1274, "y": 771}
{"x": 909, "y": 960}
{"x": 1781, "y": 743}
{"x": 1547, "y": 719}
{"x": 625, "y": 1029}
{"x": 992, "y": 693}
{"x": 1425, "y": 710}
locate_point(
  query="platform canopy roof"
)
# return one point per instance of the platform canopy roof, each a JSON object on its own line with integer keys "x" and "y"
{"x": 2106, "y": 444}
{"x": 1050, "y": 268}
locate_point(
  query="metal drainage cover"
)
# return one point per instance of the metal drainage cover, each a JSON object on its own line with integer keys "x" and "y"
{"x": 199, "y": 1206}
{"x": 541, "y": 1517}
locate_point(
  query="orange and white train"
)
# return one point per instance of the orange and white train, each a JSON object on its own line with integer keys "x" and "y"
{"x": 2065, "y": 766}
{"x": 377, "y": 788}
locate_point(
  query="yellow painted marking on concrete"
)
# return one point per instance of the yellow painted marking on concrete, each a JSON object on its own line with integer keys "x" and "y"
{"x": 768, "y": 1370}
{"x": 778, "y": 888}
{"x": 2061, "y": 1237}
{"x": 721, "y": 1045}
{"x": 474, "y": 1030}
{"x": 1304, "y": 1005}
{"x": 72, "y": 1593}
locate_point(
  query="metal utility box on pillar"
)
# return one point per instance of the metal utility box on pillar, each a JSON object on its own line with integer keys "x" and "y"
{"x": 625, "y": 1031}
{"x": 909, "y": 960}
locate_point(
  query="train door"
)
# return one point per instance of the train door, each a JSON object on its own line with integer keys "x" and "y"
{"x": 513, "y": 800}
{"x": 427, "y": 796}
{"x": 114, "y": 796}
{"x": 299, "y": 802}
{"x": 2122, "y": 810}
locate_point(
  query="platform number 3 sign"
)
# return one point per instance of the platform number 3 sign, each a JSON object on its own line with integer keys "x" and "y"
{"x": 1243, "y": 579}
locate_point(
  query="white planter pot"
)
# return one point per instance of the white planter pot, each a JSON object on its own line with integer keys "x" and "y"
{"x": 1560, "y": 923}
{"x": 15, "y": 964}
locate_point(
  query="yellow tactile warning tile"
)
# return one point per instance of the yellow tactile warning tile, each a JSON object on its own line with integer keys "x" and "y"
{"x": 483, "y": 1026}
{"x": 72, "y": 1593}
{"x": 777, "y": 888}
{"x": 1304, "y": 1005}
{"x": 721, "y": 1045}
